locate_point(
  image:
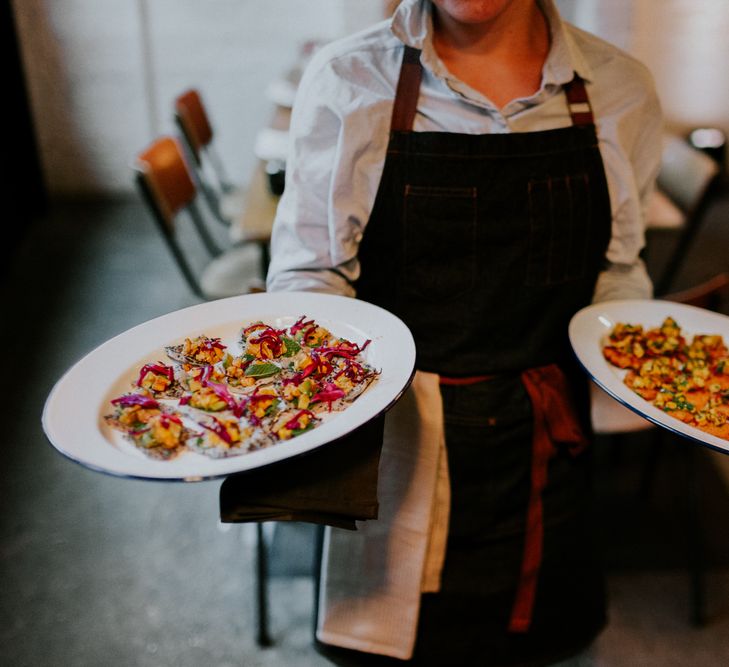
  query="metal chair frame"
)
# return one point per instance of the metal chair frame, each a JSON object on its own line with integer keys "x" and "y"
{"x": 710, "y": 295}
{"x": 691, "y": 180}
{"x": 193, "y": 121}
{"x": 167, "y": 207}
{"x": 171, "y": 240}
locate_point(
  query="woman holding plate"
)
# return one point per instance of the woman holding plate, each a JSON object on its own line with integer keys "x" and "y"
{"x": 479, "y": 168}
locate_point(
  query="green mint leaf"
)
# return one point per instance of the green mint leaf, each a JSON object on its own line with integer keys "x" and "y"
{"x": 292, "y": 347}
{"x": 262, "y": 370}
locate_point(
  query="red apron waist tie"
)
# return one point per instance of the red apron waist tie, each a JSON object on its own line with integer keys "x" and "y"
{"x": 555, "y": 421}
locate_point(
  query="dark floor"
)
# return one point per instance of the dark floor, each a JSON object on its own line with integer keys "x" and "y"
{"x": 96, "y": 570}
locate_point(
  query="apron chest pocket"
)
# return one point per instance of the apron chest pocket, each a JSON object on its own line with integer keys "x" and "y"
{"x": 558, "y": 235}
{"x": 439, "y": 250}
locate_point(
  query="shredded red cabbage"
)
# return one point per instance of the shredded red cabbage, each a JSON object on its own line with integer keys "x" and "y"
{"x": 219, "y": 429}
{"x": 272, "y": 338}
{"x": 329, "y": 394}
{"x": 299, "y": 324}
{"x": 222, "y": 392}
{"x": 135, "y": 399}
{"x": 354, "y": 371}
{"x": 256, "y": 397}
{"x": 205, "y": 343}
{"x": 255, "y": 327}
{"x": 165, "y": 420}
{"x": 158, "y": 369}
{"x": 319, "y": 367}
{"x": 345, "y": 349}
{"x": 293, "y": 423}
{"x": 305, "y": 332}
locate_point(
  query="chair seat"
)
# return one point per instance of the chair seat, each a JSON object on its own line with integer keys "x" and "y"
{"x": 232, "y": 273}
{"x": 255, "y": 221}
{"x": 232, "y": 203}
{"x": 610, "y": 417}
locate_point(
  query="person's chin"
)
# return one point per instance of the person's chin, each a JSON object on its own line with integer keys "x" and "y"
{"x": 472, "y": 11}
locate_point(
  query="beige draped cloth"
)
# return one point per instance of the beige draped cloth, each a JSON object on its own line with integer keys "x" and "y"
{"x": 372, "y": 578}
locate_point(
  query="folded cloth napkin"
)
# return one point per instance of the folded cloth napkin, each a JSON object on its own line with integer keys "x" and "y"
{"x": 372, "y": 579}
{"x": 333, "y": 485}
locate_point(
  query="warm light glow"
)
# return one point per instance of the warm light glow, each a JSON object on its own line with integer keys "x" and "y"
{"x": 684, "y": 43}
{"x": 708, "y": 137}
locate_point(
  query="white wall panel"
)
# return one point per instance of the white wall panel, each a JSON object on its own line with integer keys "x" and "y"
{"x": 83, "y": 64}
{"x": 230, "y": 50}
{"x": 88, "y": 69}
{"x": 686, "y": 45}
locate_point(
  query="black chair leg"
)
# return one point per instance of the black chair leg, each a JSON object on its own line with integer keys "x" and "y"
{"x": 650, "y": 466}
{"x": 265, "y": 259}
{"x": 316, "y": 571}
{"x": 264, "y": 638}
{"x": 694, "y": 535}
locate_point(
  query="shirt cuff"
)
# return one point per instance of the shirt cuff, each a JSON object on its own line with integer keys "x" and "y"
{"x": 623, "y": 281}
{"x": 323, "y": 282}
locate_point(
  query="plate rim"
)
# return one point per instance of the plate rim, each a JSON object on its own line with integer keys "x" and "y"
{"x": 669, "y": 423}
{"x": 295, "y": 298}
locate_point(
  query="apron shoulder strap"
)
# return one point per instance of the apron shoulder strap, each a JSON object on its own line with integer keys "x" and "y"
{"x": 578, "y": 102}
{"x": 408, "y": 91}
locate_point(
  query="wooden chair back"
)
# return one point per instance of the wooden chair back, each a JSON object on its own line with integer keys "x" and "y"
{"x": 166, "y": 176}
{"x": 167, "y": 187}
{"x": 192, "y": 119}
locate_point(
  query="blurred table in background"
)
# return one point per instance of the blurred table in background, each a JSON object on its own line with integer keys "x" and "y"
{"x": 259, "y": 209}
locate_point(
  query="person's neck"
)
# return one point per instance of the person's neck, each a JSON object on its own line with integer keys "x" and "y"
{"x": 520, "y": 29}
{"x": 503, "y": 57}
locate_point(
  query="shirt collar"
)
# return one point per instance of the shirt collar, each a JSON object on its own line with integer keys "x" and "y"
{"x": 412, "y": 24}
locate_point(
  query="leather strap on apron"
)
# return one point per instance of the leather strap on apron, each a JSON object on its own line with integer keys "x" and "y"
{"x": 408, "y": 89}
{"x": 578, "y": 102}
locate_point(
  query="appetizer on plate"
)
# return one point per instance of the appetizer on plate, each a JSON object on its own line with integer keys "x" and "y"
{"x": 132, "y": 411}
{"x": 200, "y": 351}
{"x": 227, "y": 436}
{"x": 686, "y": 380}
{"x": 221, "y": 402}
{"x": 159, "y": 379}
{"x": 308, "y": 332}
{"x": 293, "y": 422}
{"x": 163, "y": 437}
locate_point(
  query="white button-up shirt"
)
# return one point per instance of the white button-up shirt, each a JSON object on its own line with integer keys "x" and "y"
{"x": 340, "y": 128}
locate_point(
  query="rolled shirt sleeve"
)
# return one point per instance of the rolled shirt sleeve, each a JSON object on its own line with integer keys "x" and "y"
{"x": 632, "y": 157}
{"x": 338, "y": 140}
{"x": 302, "y": 255}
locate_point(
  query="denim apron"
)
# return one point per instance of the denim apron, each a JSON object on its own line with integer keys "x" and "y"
{"x": 486, "y": 245}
